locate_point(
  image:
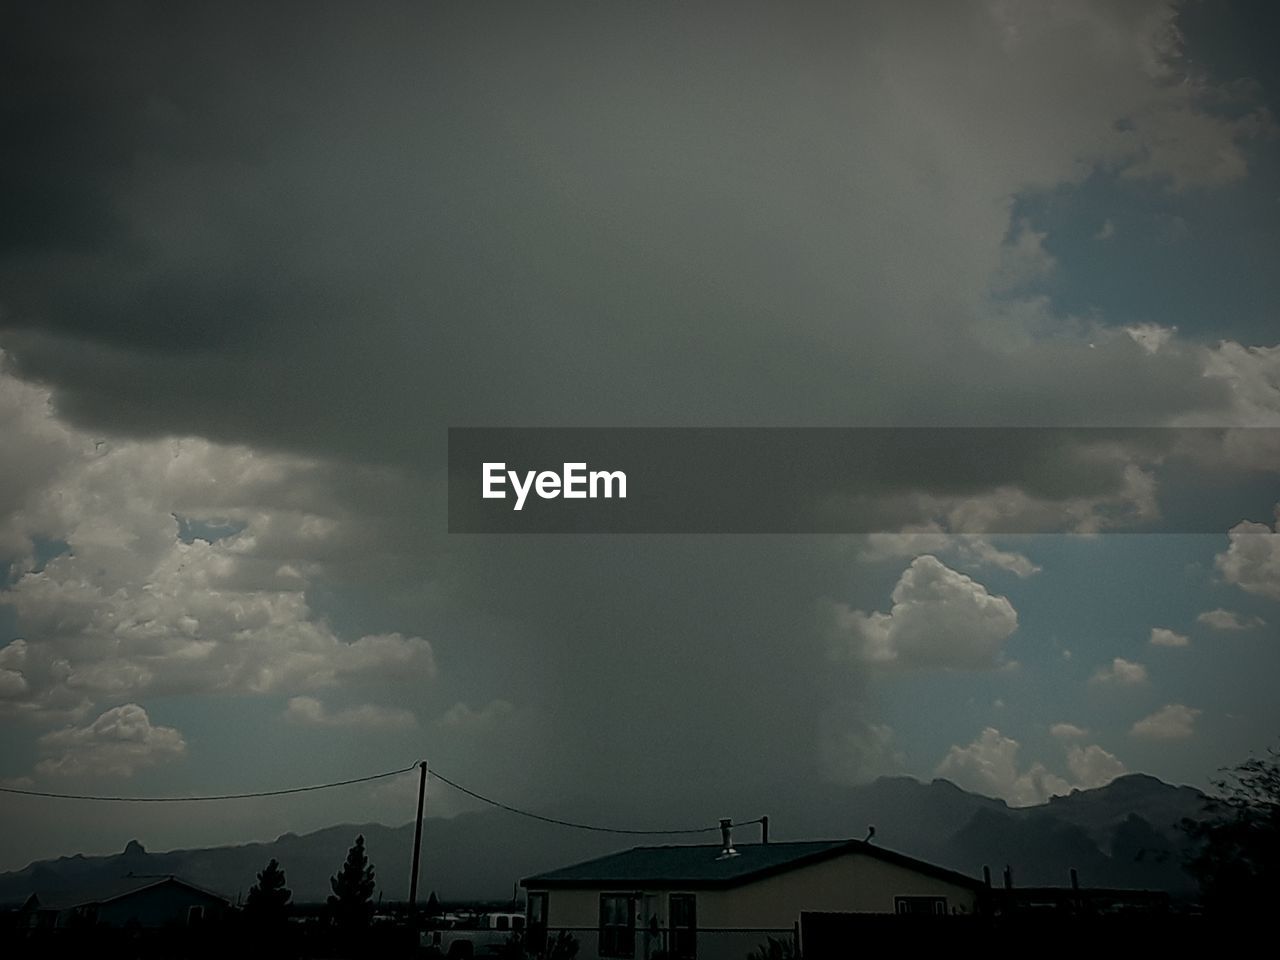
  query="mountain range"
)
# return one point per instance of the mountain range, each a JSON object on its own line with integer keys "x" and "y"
{"x": 1125, "y": 834}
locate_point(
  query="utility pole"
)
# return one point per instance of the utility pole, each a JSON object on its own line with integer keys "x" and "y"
{"x": 417, "y": 839}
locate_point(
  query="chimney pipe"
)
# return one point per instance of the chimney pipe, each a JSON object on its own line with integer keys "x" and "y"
{"x": 726, "y": 838}
{"x": 1008, "y": 877}
{"x": 986, "y": 876}
{"x": 1075, "y": 879}
{"x": 764, "y": 829}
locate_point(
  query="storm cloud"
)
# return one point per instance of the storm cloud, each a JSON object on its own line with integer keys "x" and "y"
{"x": 256, "y": 259}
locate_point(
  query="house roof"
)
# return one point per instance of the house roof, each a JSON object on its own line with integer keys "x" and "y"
{"x": 702, "y": 865}
{"x": 109, "y": 890}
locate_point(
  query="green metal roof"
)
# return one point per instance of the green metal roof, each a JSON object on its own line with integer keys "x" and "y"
{"x": 703, "y": 865}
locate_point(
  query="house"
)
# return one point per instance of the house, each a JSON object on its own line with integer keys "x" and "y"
{"x": 716, "y": 901}
{"x": 154, "y": 901}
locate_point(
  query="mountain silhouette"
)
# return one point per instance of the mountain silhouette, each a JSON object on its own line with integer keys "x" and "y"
{"x": 1125, "y": 834}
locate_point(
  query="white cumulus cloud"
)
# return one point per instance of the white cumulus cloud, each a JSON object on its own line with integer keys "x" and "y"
{"x": 1253, "y": 374}
{"x": 1067, "y": 731}
{"x": 139, "y": 602}
{"x": 1164, "y": 637}
{"x": 1221, "y": 619}
{"x": 989, "y": 766}
{"x": 1252, "y": 561}
{"x": 939, "y": 618}
{"x": 1174, "y": 721}
{"x": 1151, "y": 336}
{"x": 1093, "y": 766}
{"x": 119, "y": 742}
{"x": 966, "y": 550}
{"x": 1120, "y": 672}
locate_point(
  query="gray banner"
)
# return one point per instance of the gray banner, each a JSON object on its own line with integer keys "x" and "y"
{"x": 860, "y": 480}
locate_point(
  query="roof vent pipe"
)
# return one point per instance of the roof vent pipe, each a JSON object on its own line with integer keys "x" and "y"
{"x": 726, "y": 838}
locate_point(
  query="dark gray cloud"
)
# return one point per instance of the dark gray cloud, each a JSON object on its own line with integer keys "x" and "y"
{"x": 442, "y": 215}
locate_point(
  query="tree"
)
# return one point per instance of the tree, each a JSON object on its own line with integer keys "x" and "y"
{"x": 1237, "y": 862}
{"x": 352, "y": 898}
{"x": 269, "y": 897}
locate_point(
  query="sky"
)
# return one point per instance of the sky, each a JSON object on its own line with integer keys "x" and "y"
{"x": 255, "y": 261}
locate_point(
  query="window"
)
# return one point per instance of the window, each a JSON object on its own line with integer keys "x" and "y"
{"x": 682, "y": 918}
{"x": 920, "y": 905}
{"x": 617, "y": 925}
{"x": 535, "y": 940}
{"x": 503, "y": 922}
{"x": 194, "y": 915}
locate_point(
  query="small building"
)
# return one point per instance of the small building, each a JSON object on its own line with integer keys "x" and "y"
{"x": 146, "y": 902}
{"x": 707, "y": 902}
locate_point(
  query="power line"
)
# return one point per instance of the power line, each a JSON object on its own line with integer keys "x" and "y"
{"x": 594, "y": 828}
{"x": 571, "y": 823}
{"x": 220, "y": 796}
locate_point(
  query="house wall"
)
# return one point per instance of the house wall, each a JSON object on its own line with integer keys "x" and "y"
{"x": 573, "y": 909}
{"x": 849, "y": 884}
{"x": 734, "y": 921}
